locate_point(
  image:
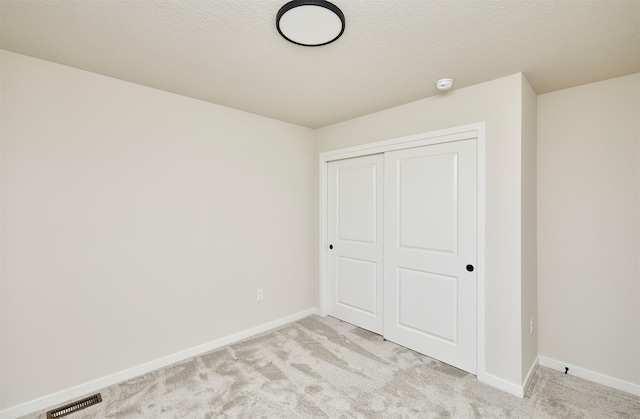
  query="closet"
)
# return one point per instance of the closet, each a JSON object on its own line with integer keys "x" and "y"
{"x": 402, "y": 234}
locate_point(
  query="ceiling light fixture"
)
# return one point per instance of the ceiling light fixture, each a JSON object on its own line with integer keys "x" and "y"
{"x": 444, "y": 84}
{"x": 310, "y": 23}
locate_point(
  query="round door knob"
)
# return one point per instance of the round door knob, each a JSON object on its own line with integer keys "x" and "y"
{"x": 330, "y": 246}
{"x": 470, "y": 268}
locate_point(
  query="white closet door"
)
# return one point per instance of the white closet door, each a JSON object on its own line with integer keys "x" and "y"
{"x": 355, "y": 240}
{"x": 430, "y": 238}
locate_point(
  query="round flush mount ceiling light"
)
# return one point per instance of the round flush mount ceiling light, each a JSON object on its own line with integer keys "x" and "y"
{"x": 444, "y": 84}
{"x": 310, "y": 23}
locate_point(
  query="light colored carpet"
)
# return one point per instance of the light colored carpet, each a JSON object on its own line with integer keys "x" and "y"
{"x": 323, "y": 367}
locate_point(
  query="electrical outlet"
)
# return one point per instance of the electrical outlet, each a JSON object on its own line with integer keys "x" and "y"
{"x": 531, "y": 326}
{"x": 260, "y": 295}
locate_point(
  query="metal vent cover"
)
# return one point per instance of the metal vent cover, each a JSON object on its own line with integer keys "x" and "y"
{"x": 74, "y": 407}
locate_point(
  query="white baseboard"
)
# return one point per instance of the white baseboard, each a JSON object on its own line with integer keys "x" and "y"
{"x": 95, "y": 385}
{"x": 502, "y": 384}
{"x": 605, "y": 380}
{"x": 507, "y": 386}
{"x": 530, "y": 374}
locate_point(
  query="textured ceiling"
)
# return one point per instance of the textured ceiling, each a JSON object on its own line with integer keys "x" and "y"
{"x": 229, "y": 51}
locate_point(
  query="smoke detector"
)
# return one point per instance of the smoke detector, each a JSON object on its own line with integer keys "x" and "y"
{"x": 444, "y": 84}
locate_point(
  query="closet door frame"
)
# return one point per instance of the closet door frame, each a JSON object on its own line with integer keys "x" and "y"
{"x": 473, "y": 131}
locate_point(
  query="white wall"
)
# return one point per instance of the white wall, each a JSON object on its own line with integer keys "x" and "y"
{"x": 138, "y": 223}
{"x": 499, "y": 104}
{"x": 529, "y": 292}
{"x": 588, "y": 237}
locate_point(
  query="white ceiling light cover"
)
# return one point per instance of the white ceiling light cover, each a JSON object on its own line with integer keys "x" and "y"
{"x": 310, "y": 22}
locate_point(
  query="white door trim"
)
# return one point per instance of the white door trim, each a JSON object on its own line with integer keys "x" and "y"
{"x": 465, "y": 132}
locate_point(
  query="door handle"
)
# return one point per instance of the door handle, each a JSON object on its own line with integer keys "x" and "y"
{"x": 330, "y": 246}
{"x": 470, "y": 268}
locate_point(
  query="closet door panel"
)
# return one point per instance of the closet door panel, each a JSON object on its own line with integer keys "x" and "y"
{"x": 355, "y": 236}
{"x": 430, "y": 238}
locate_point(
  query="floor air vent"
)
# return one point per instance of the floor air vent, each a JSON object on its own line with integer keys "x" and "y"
{"x": 74, "y": 407}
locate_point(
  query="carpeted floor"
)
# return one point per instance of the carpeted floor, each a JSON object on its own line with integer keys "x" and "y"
{"x": 322, "y": 367}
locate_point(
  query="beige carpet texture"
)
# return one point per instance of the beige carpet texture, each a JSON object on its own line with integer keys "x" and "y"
{"x": 325, "y": 368}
